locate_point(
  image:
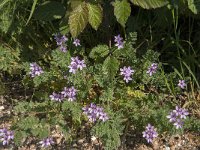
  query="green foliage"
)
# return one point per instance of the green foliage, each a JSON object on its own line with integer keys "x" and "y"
{"x": 9, "y": 59}
{"x": 95, "y": 13}
{"x": 74, "y": 109}
{"x": 60, "y": 59}
{"x": 49, "y": 10}
{"x": 150, "y": 3}
{"x": 110, "y": 67}
{"x": 28, "y": 123}
{"x": 32, "y": 10}
{"x": 78, "y": 19}
{"x": 20, "y": 136}
{"x": 99, "y": 51}
{"x": 194, "y": 6}
{"x": 109, "y": 132}
{"x": 122, "y": 11}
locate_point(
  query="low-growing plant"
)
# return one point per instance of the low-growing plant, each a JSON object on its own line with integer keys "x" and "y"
{"x": 112, "y": 89}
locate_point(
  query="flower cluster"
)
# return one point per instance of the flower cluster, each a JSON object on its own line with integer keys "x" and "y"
{"x": 60, "y": 40}
{"x": 46, "y": 142}
{"x": 119, "y": 42}
{"x": 76, "y": 64}
{"x": 182, "y": 84}
{"x": 77, "y": 42}
{"x": 150, "y": 133}
{"x": 69, "y": 93}
{"x": 35, "y": 69}
{"x": 152, "y": 69}
{"x": 176, "y": 116}
{"x": 6, "y": 136}
{"x": 94, "y": 113}
{"x": 127, "y": 72}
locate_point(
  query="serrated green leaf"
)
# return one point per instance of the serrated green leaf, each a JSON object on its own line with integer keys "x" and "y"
{"x": 41, "y": 78}
{"x": 95, "y": 15}
{"x": 74, "y": 108}
{"x": 9, "y": 59}
{"x": 40, "y": 131}
{"x": 122, "y": 11}
{"x": 28, "y": 123}
{"x": 194, "y": 6}
{"x": 78, "y": 19}
{"x": 49, "y": 10}
{"x": 20, "y": 136}
{"x": 60, "y": 59}
{"x": 100, "y": 50}
{"x": 110, "y": 67}
{"x": 148, "y": 4}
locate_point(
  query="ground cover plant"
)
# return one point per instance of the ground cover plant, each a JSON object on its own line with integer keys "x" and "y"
{"x": 99, "y": 70}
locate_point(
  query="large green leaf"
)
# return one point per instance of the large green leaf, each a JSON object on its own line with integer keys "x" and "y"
{"x": 49, "y": 10}
{"x": 122, "y": 11}
{"x": 194, "y": 6}
{"x": 78, "y": 19}
{"x": 95, "y": 15}
{"x": 148, "y": 4}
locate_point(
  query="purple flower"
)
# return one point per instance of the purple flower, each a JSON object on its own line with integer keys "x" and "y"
{"x": 6, "y": 136}
{"x": 176, "y": 116}
{"x": 118, "y": 38}
{"x": 77, "y": 42}
{"x": 63, "y": 48}
{"x": 150, "y": 133}
{"x": 60, "y": 39}
{"x": 94, "y": 113}
{"x": 119, "y": 42}
{"x": 46, "y": 142}
{"x": 172, "y": 117}
{"x": 152, "y": 69}
{"x": 103, "y": 117}
{"x": 76, "y": 64}
{"x": 178, "y": 123}
{"x": 35, "y": 69}
{"x": 181, "y": 112}
{"x": 70, "y": 93}
{"x": 127, "y": 72}
{"x": 182, "y": 84}
{"x": 56, "y": 97}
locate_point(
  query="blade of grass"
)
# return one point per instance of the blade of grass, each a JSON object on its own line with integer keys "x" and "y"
{"x": 178, "y": 73}
{"x": 192, "y": 74}
{"x": 32, "y": 11}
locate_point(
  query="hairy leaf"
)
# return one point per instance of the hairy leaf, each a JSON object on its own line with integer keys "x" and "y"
{"x": 95, "y": 15}
{"x": 78, "y": 19}
{"x": 110, "y": 67}
{"x": 100, "y": 50}
{"x": 122, "y": 11}
{"x": 28, "y": 123}
{"x": 148, "y": 4}
{"x": 20, "y": 136}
